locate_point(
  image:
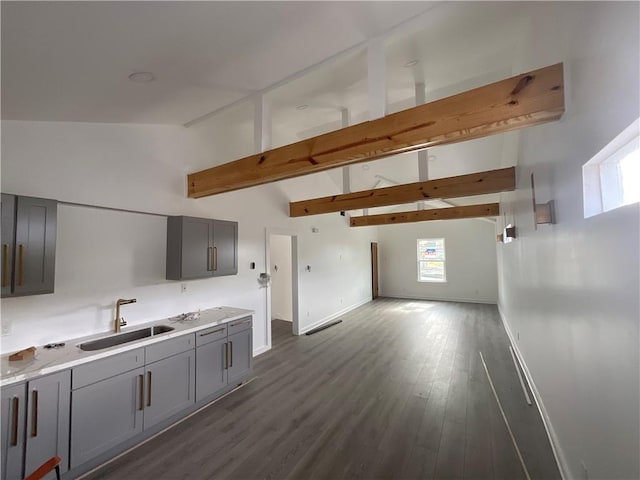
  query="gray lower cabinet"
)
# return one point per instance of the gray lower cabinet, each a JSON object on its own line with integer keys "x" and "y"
{"x": 201, "y": 248}
{"x": 224, "y": 356}
{"x": 117, "y": 398}
{"x": 170, "y": 385}
{"x": 211, "y": 374}
{"x": 105, "y": 414}
{"x": 28, "y": 245}
{"x": 13, "y": 417}
{"x": 35, "y": 424}
{"x": 240, "y": 355}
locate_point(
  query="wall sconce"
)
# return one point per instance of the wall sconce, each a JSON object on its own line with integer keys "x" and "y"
{"x": 508, "y": 234}
{"x": 543, "y": 213}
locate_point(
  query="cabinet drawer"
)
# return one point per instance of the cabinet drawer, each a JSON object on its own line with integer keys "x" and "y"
{"x": 165, "y": 349}
{"x": 239, "y": 325}
{"x": 211, "y": 334}
{"x": 107, "y": 367}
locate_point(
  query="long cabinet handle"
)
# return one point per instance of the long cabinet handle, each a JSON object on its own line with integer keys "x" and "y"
{"x": 140, "y": 392}
{"x": 240, "y": 322}
{"x": 20, "y": 264}
{"x": 5, "y": 263}
{"x": 15, "y": 418}
{"x": 215, "y": 259}
{"x": 226, "y": 356}
{"x": 209, "y": 259}
{"x": 230, "y": 354}
{"x": 34, "y": 414}
{"x": 149, "y": 389}
{"x": 212, "y": 332}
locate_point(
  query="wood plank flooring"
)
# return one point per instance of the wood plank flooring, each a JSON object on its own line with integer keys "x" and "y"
{"x": 395, "y": 391}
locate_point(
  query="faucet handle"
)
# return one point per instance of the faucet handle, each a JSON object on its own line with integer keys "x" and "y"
{"x": 122, "y": 322}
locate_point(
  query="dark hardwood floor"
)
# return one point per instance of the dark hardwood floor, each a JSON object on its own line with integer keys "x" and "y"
{"x": 397, "y": 390}
{"x": 281, "y": 330}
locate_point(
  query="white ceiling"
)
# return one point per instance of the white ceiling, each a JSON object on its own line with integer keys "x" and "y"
{"x": 70, "y": 61}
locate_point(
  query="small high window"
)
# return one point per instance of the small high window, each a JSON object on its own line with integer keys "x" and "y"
{"x": 431, "y": 260}
{"x": 611, "y": 179}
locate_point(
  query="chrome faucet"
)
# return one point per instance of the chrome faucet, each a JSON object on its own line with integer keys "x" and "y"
{"x": 119, "y": 321}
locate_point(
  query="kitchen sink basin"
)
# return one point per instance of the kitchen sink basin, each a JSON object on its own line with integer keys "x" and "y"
{"x": 121, "y": 338}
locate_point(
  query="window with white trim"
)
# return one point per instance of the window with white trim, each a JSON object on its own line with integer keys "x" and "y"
{"x": 431, "y": 260}
{"x": 611, "y": 179}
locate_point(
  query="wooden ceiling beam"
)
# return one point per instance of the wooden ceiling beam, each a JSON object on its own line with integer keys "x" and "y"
{"x": 493, "y": 181}
{"x": 529, "y": 99}
{"x": 451, "y": 213}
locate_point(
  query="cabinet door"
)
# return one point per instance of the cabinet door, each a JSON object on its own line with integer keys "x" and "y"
{"x": 8, "y": 241}
{"x": 34, "y": 270}
{"x": 48, "y": 420}
{"x": 241, "y": 355}
{"x": 225, "y": 245}
{"x": 211, "y": 374}
{"x": 105, "y": 414}
{"x": 14, "y": 408}
{"x": 170, "y": 387}
{"x": 197, "y": 250}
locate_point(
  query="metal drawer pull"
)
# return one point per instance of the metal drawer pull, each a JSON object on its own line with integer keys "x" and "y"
{"x": 215, "y": 259}
{"x": 140, "y": 392}
{"x": 20, "y": 264}
{"x": 212, "y": 332}
{"x": 148, "y": 389}
{"x": 5, "y": 263}
{"x": 241, "y": 322}
{"x": 14, "y": 430}
{"x": 34, "y": 414}
{"x": 226, "y": 357}
{"x": 230, "y": 354}
{"x": 209, "y": 259}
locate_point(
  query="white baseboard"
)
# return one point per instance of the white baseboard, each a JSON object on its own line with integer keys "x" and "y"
{"x": 260, "y": 350}
{"x": 439, "y": 299}
{"x": 546, "y": 421}
{"x": 334, "y": 315}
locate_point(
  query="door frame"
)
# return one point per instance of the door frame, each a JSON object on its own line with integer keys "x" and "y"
{"x": 294, "y": 278}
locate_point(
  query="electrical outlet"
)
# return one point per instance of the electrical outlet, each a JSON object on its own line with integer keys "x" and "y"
{"x": 183, "y": 287}
{"x": 6, "y": 328}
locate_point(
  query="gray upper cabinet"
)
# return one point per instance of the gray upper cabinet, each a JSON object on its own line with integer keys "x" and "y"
{"x": 201, "y": 248}
{"x": 28, "y": 245}
{"x": 14, "y": 410}
{"x": 49, "y": 403}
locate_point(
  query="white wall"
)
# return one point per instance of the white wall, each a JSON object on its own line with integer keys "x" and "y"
{"x": 470, "y": 261}
{"x": 570, "y": 291}
{"x": 104, "y": 255}
{"x": 281, "y": 296}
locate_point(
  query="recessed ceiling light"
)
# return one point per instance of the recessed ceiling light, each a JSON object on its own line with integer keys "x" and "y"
{"x": 302, "y": 107}
{"x": 142, "y": 77}
{"x": 411, "y": 63}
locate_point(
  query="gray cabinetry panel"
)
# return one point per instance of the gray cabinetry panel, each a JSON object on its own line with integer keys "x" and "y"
{"x": 13, "y": 415}
{"x": 225, "y": 245}
{"x": 28, "y": 245}
{"x": 8, "y": 241}
{"x": 201, "y": 248}
{"x": 170, "y": 387}
{"x": 93, "y": 372}
{"x": 240, "y": 354}
{"x": 211, "y": 374}
{"x": 48, "y": 420}
{"x": 105, "y": 414}
{"x": 211, "y": 334}
{"x": 170, "y": 347}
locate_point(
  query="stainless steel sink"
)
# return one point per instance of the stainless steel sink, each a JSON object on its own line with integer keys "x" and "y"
{"x": 119, "y": 339}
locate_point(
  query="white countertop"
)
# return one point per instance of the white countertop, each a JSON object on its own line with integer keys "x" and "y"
{"x": 55, "y": 359}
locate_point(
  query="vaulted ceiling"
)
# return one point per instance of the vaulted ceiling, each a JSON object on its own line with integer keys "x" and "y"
{"x": 70, "y": 61}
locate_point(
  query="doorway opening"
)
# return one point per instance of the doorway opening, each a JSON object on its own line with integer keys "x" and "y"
{"x": 282, "y": 300}
{"x": 374, "y": 270}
